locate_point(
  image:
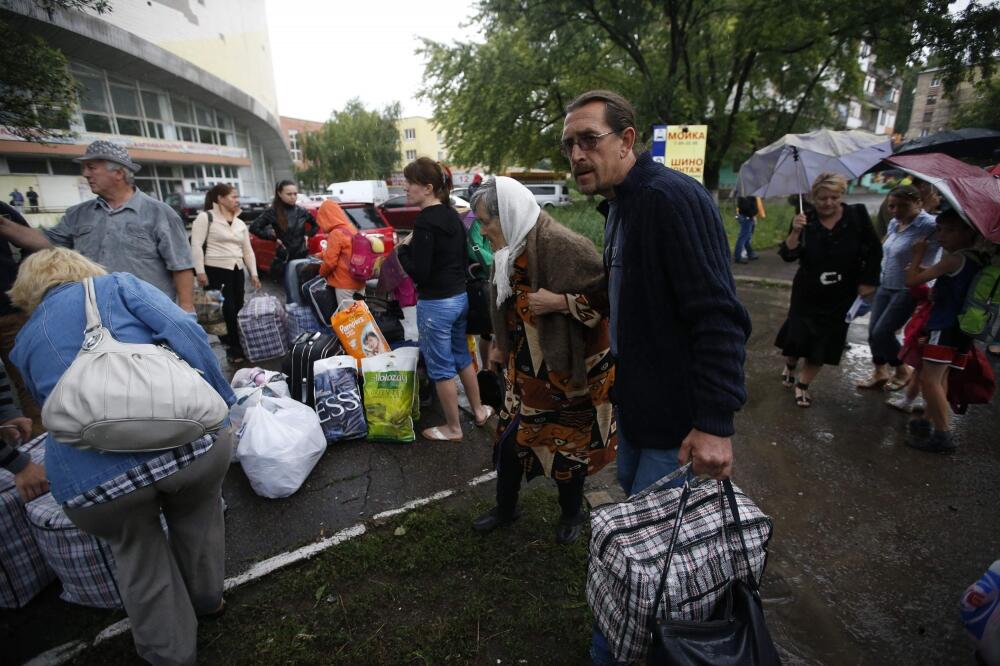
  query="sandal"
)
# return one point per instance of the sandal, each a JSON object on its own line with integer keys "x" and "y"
{"x": 788, "y": 376}
{"x": 897, "y": 383}
{"x": 873, "y": 382}
{"x": 489, "y": 415}
{"x": 435, "y": 435}
{"x": 802, "y": 399}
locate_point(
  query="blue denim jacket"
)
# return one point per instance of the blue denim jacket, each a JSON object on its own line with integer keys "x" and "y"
{"x": 134, "y": 311}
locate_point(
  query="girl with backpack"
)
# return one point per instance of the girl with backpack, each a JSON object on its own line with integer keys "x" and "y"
{"x": 336, "y": 266}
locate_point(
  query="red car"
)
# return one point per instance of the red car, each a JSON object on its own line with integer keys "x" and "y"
{"x": 368, "y": 220}
{"x": 401, "y": 215}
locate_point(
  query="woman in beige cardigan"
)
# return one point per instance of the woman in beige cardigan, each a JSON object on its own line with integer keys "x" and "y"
{"x": 220, "y": 246}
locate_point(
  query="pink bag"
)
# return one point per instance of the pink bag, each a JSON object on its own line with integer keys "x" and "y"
{"x": 406, "y": 292}
{"x": 363, "y": 257}
{"x": 392, "y": 279}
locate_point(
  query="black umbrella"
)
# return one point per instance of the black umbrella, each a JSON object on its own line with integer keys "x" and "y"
{"x": 968, "y": 142}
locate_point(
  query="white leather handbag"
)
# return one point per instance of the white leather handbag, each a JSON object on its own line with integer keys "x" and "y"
{"x": 123, "y": 397}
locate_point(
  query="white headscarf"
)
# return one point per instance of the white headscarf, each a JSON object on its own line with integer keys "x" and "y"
{"x": 518, "y": 215}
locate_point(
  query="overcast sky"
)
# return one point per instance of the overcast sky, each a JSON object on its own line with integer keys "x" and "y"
{"x": 328, "y": 52}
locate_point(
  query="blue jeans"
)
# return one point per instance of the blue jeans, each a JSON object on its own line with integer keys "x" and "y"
{"x": 637, "y": 470}
{"x": 891, "y": 308}
{"x": 743, "y": 240}
{"x": 441, "y": 328}
{"x": 293, "y": 292}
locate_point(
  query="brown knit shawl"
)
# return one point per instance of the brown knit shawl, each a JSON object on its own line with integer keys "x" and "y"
{"x": 564, "y": 262}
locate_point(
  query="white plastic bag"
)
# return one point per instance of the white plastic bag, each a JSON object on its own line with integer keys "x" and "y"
{"x": 281, "y": 443}
{"x": 250, "y": 385}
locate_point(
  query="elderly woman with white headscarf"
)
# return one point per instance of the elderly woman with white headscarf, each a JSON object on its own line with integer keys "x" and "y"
{"x": 549, "y": 301}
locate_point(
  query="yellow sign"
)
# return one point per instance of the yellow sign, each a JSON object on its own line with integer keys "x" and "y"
{"x": 686, "y": 149}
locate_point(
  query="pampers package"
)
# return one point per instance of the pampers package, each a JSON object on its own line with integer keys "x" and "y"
{"x": 390, "y": 380}
{"x": 338, "y": 398}
{"x": 355, "y": 326}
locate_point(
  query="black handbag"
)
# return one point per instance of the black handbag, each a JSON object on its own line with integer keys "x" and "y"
{"x": 478, "y": 320}
{"x": 735, "y": 634}
{"x": 491, "y": 389}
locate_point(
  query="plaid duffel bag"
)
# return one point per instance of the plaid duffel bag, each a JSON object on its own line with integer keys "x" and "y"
{"x": 23, "y": 571}
{"x": 83, "y": 563}
{"x": 628, "y": 547}
{"x": 302, "y": 319}
{"x": 263, "y": 325}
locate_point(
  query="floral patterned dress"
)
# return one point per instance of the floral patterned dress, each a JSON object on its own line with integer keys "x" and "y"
{"x": 562, "y": 432}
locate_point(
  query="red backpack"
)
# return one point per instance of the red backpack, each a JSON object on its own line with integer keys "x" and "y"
{"x": 974, "y": 385}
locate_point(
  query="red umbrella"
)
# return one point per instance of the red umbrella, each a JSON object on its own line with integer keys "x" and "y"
{"x": 973, "y": 192}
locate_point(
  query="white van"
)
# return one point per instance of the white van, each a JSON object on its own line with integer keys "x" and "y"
{"x": 360, "y": 191}
{"x": 550, "y": 194}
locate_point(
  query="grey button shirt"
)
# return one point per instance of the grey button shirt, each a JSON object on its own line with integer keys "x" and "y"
{"x": 144, "y": 237}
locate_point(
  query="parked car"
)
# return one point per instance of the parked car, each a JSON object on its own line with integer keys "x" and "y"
{"x": 251, "y": 208}
{"x": 369, "y": 191}
{"x": 550, "y": 194}
{"x": 365, "y": 217}
{"x": 187, "y": 205}
{"x": 401, "y": 215}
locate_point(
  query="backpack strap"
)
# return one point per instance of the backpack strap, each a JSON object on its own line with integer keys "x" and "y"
{"x": 204, "y": 244}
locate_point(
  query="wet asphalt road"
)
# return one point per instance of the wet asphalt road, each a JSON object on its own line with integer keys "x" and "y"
{"x": 873, "y": 542}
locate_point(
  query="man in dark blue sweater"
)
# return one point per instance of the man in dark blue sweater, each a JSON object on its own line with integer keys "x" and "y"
{"x": 677, "y": 329}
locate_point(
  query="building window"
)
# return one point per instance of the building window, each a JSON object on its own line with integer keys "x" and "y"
{"x": 27, "y": 165}
{"x": 409, "y": 133}
{"x": 866, "y": 49}
{"x": 94, "y": 104}
{"x": 924, "y": 132}
{"x": 440, "y": 137}
{"x": 440, "y": 155}
{"x": 931, "y": 99}
{"x": 936, "y": 81}
{"x": 411, "y": 155}
{"x": 894, "y": 96}
{"x": 928, "y": 116}
{"x": 869, "y": 84}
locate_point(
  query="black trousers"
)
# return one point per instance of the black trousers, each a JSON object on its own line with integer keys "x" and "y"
{"x": 231, "y": 282}
{"x": 509, "y": 473}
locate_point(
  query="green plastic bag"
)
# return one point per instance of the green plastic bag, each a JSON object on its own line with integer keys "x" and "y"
{"x": 479, "y": 250}
{"x": 389, "y": 390}
{"x": 980, "y": 317}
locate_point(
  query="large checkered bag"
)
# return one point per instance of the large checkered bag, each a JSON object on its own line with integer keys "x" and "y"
{"x": 23, "y": 571}
{"x": 302, "y": 319}
{"x": 82, "y": 562}
{"x": 628, "y": 548}
{"x": 263, "y": 325}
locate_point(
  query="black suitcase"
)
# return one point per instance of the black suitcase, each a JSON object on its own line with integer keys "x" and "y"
{"x": 298, "y": 363}
{"x": 388, "y": 316}
{"x": 321, "y": 297}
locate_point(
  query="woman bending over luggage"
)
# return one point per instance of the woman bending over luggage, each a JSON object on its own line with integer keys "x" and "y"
{"x": 435, "y": 258}
{"x": 839, "y": 259}
{"x": 288, "y": 225}
{"x": 220, "y": 246}
{"x": 548, "y": 303}
{"x": 167, "y": 581}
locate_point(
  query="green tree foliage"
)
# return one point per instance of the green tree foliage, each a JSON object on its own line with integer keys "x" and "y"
{"x": 985, "y": 110}
{"x": 355, "y": 144}
{"x": 38, "y": 96}
{"x": 752, "y": 70}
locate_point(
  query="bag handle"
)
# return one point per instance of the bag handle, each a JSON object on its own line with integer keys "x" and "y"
{"x": 93, "y": 314}
{"x": 729, "y": 494}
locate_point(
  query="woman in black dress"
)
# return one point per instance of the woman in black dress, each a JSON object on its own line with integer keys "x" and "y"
{"x": 839, "y": 257}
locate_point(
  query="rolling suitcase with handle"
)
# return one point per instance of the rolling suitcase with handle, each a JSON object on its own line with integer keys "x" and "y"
{"x": 321, "y": 297}
{"x": 298, "y": 363}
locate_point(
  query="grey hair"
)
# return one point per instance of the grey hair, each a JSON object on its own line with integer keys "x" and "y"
{"x": 487, "y": 194}
{"x": 114, "y": 166}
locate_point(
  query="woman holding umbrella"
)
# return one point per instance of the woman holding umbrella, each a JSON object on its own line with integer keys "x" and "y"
{"x": 839, "y": 259}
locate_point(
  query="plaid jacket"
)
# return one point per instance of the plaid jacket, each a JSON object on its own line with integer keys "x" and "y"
{"x": 263, "y": 325}
{"x": 628, "y": 546}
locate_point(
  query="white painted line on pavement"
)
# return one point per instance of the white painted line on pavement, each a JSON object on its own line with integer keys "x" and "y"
{"x": 272, "y": 564}
{"x": 67, "y": 651}
{"x": 378, "y": 517}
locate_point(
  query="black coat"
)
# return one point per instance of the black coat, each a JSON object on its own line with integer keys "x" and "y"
{"x": 681, "y": 331}
{"x": 300, "y": 226}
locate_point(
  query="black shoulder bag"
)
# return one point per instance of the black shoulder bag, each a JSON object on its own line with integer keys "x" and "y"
{"x": 735, "y": 633}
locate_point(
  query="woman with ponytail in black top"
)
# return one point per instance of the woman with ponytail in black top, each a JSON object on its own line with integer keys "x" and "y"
{"x": 435, "y": 258}
{"x": 288, "y": 225}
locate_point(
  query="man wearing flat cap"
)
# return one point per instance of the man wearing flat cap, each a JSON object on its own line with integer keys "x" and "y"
{"x": 123, "y": 229}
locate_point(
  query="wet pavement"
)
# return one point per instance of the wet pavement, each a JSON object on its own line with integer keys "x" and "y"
{"x": 873, "y": 542}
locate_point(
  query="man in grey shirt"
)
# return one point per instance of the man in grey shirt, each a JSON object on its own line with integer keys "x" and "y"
{"x": 123, "y": 229}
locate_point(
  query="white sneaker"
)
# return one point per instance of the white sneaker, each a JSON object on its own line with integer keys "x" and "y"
{"x": 902, "y": 403}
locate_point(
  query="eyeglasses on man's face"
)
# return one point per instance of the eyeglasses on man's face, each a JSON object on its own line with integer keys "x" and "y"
{"x": 587, "y": 142}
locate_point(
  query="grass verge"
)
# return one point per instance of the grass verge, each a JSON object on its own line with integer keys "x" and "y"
{"x": 422, "y": 589}
{"x": 582, "y": 217}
